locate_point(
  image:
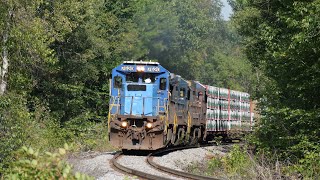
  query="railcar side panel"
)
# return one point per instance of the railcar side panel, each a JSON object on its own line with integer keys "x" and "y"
{"x": 228, "y": 111}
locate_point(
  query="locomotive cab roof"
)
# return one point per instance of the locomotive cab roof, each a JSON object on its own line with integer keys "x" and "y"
{"x": 140, "y": 67}
{"x": 140, "y": 63}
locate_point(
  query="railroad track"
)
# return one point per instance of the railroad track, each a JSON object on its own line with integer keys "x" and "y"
{"x": 149, "y": 160}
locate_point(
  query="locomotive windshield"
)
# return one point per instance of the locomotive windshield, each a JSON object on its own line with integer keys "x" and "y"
{"x": 145, "y": 77}
{"x": 132, "y": 77}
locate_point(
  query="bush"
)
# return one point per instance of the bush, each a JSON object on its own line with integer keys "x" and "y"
{"x": 293, "y": 134}
{"x": 86, "y": 135}
{"x": 14, "y": 122}
{"x": 29, "y": 164}
{"x": 32, "y": 124}
{"x": 309, "y": 165}
{"x": 234, "y": 165}
{"x": 21, "y": 125}
{"x": 239, "y": 164}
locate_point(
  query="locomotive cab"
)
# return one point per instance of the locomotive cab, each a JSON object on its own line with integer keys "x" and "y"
{"x": 138, "y": 105}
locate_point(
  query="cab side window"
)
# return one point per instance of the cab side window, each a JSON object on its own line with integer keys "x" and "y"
{"x": 189, "y": 94}
{"x": 200, "y": 96}
{"x": 182, "y": 92}
{"x": 163, "y": 83}
{"x": 117, "y": 82}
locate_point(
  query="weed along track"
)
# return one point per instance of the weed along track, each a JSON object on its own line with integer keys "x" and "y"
{"x": 146, "y": 167}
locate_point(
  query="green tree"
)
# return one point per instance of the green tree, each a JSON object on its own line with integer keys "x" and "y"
{"x": 282, "y": 42}
{"x": 57, "y": 57}
{"x": 189, "y": 38}
{"x": 24, "y": 43}
{"x": 179, "y": 34}
{"x": 94, "y": 37}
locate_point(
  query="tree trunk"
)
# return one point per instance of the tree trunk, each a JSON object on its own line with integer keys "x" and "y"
{"x": 5, "y": 58}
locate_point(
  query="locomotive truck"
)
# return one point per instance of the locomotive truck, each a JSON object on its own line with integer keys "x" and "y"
{"x": 151, "y": 108}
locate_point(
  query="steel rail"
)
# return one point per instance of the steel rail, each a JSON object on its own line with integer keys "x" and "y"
{"x": 133, "y": 171}
{"x": 150, "y": 161}
{"x": 173, "y": 171}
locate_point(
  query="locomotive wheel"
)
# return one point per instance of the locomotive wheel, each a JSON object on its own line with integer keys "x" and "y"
{"x": 181, "y": 135}
{"x": 196, "y": 135}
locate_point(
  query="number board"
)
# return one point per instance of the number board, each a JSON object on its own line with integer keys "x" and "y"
{"x": 127, "y": 68}
{"x": 152, "y": 69}
{"x": 147, "y": 68}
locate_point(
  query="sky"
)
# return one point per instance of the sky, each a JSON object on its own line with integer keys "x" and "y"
{"x": 226, "y": 10}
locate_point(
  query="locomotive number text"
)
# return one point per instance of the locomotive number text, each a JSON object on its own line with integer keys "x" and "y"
{"x": 153, "y": 69}
{"x": 127, "y": 68}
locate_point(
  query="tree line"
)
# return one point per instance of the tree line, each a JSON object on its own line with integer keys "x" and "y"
{"x": 281, "y": 40}
{"x": 57, "y": 58}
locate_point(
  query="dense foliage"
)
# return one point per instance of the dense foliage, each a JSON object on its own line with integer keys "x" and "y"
{"x": 57, "y": 57}
{"x": 281, "y": 40}
{"x": 241, "y": 164}
{"x": 32, "y": 165}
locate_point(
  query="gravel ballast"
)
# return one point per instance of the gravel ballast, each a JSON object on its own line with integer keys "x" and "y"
{"x": 139, "y": 163}
{"x": 178, "y": 160}
{"x": 96, "y": 165}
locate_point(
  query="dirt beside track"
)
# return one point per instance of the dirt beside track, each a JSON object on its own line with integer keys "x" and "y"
{"x": 96, "y": 165}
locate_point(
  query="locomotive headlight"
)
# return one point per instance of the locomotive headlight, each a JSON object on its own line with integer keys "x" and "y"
{"x": 124, "y": 124}
{"x": 149, "y": 125}
{"x": 140, "y": 68}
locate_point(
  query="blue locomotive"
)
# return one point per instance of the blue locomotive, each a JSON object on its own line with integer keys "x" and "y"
{"x": 151, "y": 108}
{"x": 138, "y": 105}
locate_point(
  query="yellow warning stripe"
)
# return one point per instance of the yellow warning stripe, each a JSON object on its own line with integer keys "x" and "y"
{"x": 109, "y": 114}
{"x": 175, "y": 123}
{"x": 189, "y": 123}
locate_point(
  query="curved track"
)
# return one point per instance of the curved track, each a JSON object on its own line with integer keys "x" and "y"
{"x": 173, "y": 171}
{"x": 134, "y": 171}
{"x": 158, "y": 167}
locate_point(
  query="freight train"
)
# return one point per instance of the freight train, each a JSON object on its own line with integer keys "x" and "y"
{"x": 151, "y": 108}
